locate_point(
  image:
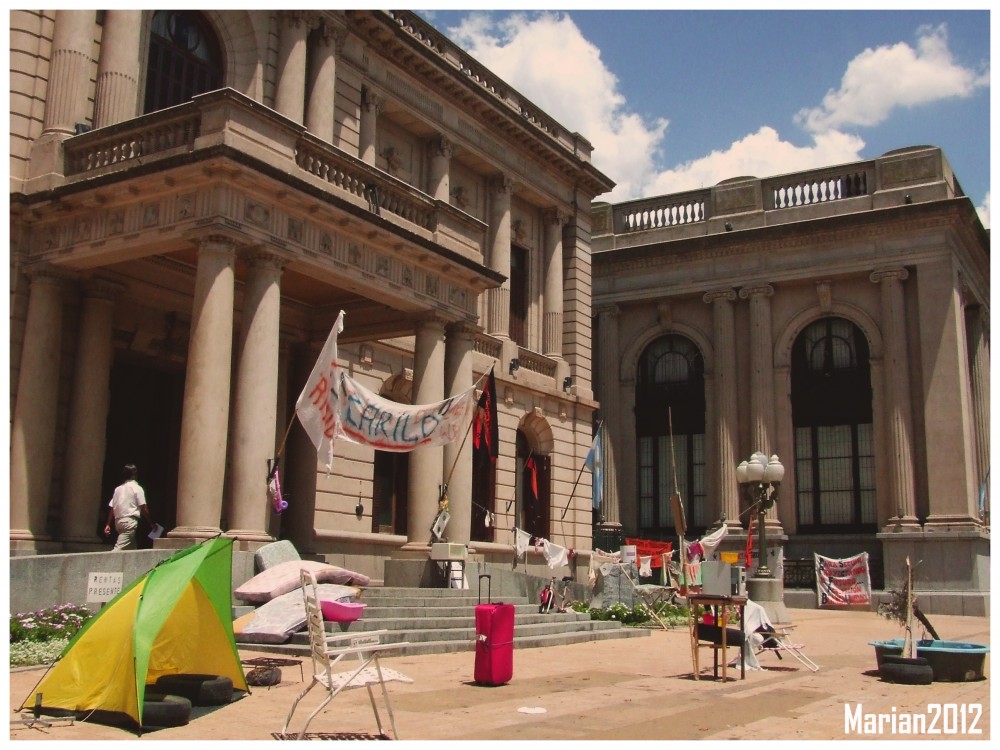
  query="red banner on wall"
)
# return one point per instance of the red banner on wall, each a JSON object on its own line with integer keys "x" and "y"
{"x": 650, "y": 548}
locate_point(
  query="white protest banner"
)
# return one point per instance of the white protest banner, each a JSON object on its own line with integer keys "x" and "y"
{"x": 367, "y": 418}
{"x": 317, "y": 405}
{"x": 840, "y": 583}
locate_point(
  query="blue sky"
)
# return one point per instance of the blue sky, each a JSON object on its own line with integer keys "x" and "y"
{"x": 681, "y": 99}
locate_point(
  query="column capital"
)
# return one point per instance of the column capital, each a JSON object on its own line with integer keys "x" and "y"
{"x": 554, "y": 216}
{"x": 371, "y": 101}
{"x": 219, "y": 243}
{"x": 719, "y": 294}
{"x": 461, "y": 328}
{"x": 45, "y": 273}
{"x": 295, "y": 19}
{"x": 502, "y": 184}
{"x": 608, "y": 309}
{"x": 258, "y": 257}
{"x": 102, "y": 289}
{"x": 765, "y": 290}
{"x": 430, "y": 320}
{"x": 899, "y": 274}
{"x": 330, "y": 34}
{"x": 441, "y": 145}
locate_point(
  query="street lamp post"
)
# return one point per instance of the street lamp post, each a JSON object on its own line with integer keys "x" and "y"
{"x": 760, "y": 478}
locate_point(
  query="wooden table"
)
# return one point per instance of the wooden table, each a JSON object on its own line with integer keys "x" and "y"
{"x": 719, "y": 606}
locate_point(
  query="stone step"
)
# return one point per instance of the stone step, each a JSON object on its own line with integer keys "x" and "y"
{"x": 521, "y": 641}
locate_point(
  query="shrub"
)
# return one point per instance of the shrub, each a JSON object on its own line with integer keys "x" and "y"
{"x": 53, "y": 623}
{"x": 30, "y": 653}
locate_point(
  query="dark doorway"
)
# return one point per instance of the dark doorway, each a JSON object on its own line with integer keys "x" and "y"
{"x": 144, "y": 427}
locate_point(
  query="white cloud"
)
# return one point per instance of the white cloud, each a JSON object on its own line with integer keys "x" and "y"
{"x": 983, "y": 209}
{"x": 880, "y": 80}
{"x": 545, "y": 57}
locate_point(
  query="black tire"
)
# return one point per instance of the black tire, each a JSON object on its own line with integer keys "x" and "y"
{"x": 263, "y": 676}
{"x": 159, "y": 710}
{"x": 200, "y": 689}
{"x": 896, "y": 659}
{"x": 906, "y": 671}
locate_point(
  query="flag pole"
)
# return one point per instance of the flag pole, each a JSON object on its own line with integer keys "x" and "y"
{"x": 578, "y": 476}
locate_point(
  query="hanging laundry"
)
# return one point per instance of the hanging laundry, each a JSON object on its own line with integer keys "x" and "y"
{"x": 557, "y": 556}
{"x": 646, "y": 566}
{"x": 710, "y": 542}
{"x": 522, "y": 540}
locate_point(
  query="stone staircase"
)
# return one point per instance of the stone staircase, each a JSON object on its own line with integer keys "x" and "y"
{"x": 436, "y": 621}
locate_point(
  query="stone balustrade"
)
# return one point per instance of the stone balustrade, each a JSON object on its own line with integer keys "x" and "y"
{"x": 174, "y": 128}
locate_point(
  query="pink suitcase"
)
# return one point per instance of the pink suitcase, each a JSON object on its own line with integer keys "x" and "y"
{"x": 494, "y": 639}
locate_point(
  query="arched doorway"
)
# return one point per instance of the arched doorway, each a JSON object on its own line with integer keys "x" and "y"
{"x": 834, "y": 431}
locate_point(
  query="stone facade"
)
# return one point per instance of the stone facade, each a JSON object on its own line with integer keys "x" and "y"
{"x": 738, "y": 272}
{"x": 176, "y": 266}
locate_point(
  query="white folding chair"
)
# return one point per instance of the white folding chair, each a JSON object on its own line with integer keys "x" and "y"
{"x": 780, "y": 641}
{"x": 328, "y": 650}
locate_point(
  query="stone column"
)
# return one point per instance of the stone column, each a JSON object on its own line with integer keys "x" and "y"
{"x": 439, "y": 183}
{"x": 33, "y": 433}
{"x": 458, "y": 454}
{"x": 290, "y": 97}
{"x": 425, "y": 463}
{"x": 88, "y": 415}
{"x": 761, "y": 375}
{"x": 553, "y": 303}
{"x": 949, "y": 429}
{"x": 979, "y": 367}
{"x": 205, "y": 417}
{"x": 609, "y": 395}
{"x": 899, "y": 421}
{"x": 254, "y": 401}
{"x": 371, "y": 105}
{"x": 726, "y": 414}
{"x": 69, "y": 71}
{"x": 66, "y": 96}
{"x": 323, "y": 81}
{"x": 498, "y": 299}
{"x": 117, "y": 96}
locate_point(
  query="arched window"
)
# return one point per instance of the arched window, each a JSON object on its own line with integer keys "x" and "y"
{"x": 832, "y": 415}
{"x": 670, "y": 391}
{"x": 185, "y": 59}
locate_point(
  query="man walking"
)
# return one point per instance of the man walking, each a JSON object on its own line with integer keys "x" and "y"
{"x": 127, "y": 504}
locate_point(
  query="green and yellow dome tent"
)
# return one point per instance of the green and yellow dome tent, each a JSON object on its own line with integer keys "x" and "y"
{"x": 177, "y": 619}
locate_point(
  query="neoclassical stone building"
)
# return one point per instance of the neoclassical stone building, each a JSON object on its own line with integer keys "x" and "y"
{"x": 838, "y": 318}
{"x": 195, "y": 196}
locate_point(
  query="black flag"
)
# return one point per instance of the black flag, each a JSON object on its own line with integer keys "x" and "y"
{"x": 485, "y": 431}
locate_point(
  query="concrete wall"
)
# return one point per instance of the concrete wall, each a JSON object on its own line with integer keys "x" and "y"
{"x": 38, "y": 581}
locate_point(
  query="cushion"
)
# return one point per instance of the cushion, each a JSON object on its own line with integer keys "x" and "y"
{"x": 274, "y": 553}
{"x": 278, "y": 619}
{"x": 286, "y": 577}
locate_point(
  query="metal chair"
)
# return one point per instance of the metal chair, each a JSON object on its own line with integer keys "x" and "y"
{"x": 780, "y": 641}
{"x": 328, "y": 650}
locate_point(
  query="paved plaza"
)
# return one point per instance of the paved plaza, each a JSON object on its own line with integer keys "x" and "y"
{"x": 627, "y": 689}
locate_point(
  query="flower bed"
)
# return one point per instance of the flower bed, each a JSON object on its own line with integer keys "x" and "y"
{"x": 39, "y": 637}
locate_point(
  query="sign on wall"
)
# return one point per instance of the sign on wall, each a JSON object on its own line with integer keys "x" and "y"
{"x": 103, "y": 587}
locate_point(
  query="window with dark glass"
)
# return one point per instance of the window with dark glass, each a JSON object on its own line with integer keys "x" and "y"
{"x": 670, "y": 390}
{"x": 519, "y": 294}
{"x": 185, "y": 59}
{"x": 832, "y": 416}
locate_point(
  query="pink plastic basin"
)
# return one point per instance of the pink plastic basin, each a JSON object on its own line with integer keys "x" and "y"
{"x": 342, "y": 611}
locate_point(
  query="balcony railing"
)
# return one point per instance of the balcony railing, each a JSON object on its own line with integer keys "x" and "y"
{"x": 665, "y": 211}
{"x": 228, "y": 117}
{"x": 170, "y": 129}
{"x": 822, "y": 186}
{"x": 535, "y": 362}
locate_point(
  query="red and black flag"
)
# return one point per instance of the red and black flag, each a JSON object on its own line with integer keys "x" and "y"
{"x": 485, "y": 431}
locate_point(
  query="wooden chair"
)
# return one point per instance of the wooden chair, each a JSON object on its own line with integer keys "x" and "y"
{"x": 360, "y": 650}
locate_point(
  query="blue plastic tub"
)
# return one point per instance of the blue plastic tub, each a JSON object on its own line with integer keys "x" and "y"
{"x": 952, "y": 661}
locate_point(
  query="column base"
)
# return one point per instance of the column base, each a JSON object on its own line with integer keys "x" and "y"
{"x": 250, "y": 535}
{"x": 196, "y": 533}
{"x": 770, "y": 594}
{"x": 901, "y": 524}
{"x": 955, "y": 522}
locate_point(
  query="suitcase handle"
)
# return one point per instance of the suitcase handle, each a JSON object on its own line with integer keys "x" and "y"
{"x": 489, "y": 586}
